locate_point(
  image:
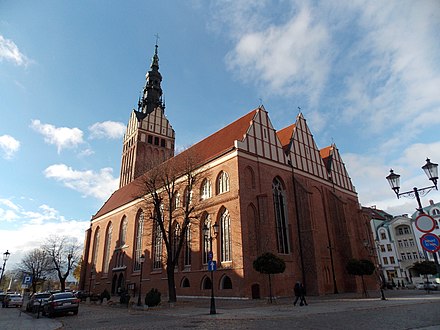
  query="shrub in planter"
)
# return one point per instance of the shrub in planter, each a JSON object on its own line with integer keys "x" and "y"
{"x": 124, "y": 298}
{"x": 105, "y": 294}
{"x": 152, "y": 298}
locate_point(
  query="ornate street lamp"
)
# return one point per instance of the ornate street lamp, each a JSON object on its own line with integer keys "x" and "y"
{"x": 431, "y": 170}
{"x": 141, "y": 260}
{"x": 5, "y": 258}
{"x": 209, "y": 235}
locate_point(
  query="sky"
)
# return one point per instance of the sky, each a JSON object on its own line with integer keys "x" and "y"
{"x": 366, "y": 75}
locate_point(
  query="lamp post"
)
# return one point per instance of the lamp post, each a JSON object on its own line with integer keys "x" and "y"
{"x": 5, "y": 258}
{"x": 209, "y": 235}
{"x": 141, "y": 260}
{"x": 90, "y": 281}
{"x": 431, "y": 170}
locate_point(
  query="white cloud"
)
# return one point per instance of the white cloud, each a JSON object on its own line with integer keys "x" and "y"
{"x": 45, "y": 213}
{"x": 107, "y": 129}
{"x": 22, "y": 239}
{"x": 395, "y": 83}
{"x": 9, "y": 146}
{"x": 89, "y": 183}
{"x": 62, "y": 137}
{"x": 287, "y": 59}
{"x": 10, "y": 52}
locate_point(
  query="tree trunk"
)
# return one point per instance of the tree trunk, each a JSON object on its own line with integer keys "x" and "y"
{"x": 270, "y": 289}
{"x": 364, "y": 289}
{"x": 171, "y": 284}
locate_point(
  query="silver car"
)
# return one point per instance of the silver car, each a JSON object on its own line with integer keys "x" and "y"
{"x": 13, "y": 300}
{"x": 37, "y": 302}
{"x": 427, "y": 286}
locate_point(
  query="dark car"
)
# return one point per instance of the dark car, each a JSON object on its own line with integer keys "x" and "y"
{"x": 37, "y": 301}
{"x": 2, "y": 298}
{"x": 61, "y": 303}
{"x": 82, "y": 295}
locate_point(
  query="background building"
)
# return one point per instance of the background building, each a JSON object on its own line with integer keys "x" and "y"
{"x": 267, "y": 190}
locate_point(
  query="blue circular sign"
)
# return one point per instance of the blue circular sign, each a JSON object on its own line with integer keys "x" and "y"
{"x": 430, "y": 242}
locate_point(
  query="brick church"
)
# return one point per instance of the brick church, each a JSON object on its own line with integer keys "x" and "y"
{"x": 258, "y": 190}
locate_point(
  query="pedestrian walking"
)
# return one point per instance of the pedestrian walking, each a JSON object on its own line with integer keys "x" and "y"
{"x": 297, "y": 292}
{"x": 302, "y": 298}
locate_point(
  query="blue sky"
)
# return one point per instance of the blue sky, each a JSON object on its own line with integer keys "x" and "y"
{"x": 366, "y": 76}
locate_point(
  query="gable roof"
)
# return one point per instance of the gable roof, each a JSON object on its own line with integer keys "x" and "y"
{"x": 209, "y": 148}
{"x": 285, "y": 135}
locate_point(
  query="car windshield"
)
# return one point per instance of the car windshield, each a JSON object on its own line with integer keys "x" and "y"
{"x": 63, "y": 295}
{"x": 14, "y": 296}
{"x": 42, "y": 295}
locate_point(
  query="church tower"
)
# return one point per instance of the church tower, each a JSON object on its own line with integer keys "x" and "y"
{"x": 149, "y": 138}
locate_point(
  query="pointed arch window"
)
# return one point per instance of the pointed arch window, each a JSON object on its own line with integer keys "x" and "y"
{"x": 225, "y": 236}
{"x": 187, "y": 251}
{"x": 206, "y": 222}
{"x": 222, "y": 182}
{"x": 157, "y": 247}
{"x": 96, "y": 247}
{"x": 176, "y": 201}
{"x": 187, "y": 196}
{"x": 138, "y": 241}
{"x": 108, "y": 242}
{"x": 206, "y": 189}
{"x": 279, "y": 201}
{"x": 123, "y": 232}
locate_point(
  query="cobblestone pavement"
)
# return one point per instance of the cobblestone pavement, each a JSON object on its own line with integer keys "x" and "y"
{"x": 404, "y": 309}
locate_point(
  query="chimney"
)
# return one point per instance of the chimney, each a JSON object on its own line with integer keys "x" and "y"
{"x": 431, "y": 202}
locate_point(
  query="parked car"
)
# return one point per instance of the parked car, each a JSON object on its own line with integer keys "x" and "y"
{"x": 82, "y": 295}
{"x": 61, "y": 303}
{"x": 37, "y": 301}
{"x": 427, "y": 286}
{"x": 2, "y": 298}
{"x": 13, "y": 299}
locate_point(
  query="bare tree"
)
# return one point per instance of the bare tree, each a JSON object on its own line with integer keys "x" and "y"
{"x": 37, "y": 264}
{"x": 63, "y": 253}
{"x": 159, "y": 188}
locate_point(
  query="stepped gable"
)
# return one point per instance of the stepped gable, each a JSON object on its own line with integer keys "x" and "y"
{"x": 206, "y": 150}
{"x": 261, "y": 139}
{"x": 303, "y": 152}
{"x": 336, "y": 168}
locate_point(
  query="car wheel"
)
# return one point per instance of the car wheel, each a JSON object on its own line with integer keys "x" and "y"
{"x": 75, "y": 312}
{"x": 43, "y": 312}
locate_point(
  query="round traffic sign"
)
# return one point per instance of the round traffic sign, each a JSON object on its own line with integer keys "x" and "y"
{"x": 430, "y": 242}
{"x": 425, "y": 223}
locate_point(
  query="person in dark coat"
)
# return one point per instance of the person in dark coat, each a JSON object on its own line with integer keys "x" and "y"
{"x": 302, "y": 298}
{"x": 297, "y": 292}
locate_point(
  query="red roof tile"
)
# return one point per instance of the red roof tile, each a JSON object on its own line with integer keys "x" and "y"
{"x": 211, "y": 147}
{"x": 285, "y": 135}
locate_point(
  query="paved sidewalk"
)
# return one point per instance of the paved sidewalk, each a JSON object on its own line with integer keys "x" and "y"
{"x": 251, "y": 309}
{"x": 15, "y": 318}
{"x": 246, "y": 309}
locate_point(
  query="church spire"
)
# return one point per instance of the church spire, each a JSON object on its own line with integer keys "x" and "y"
{"x": 152, "y": 92}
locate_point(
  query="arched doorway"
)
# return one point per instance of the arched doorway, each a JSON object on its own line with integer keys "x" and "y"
{"x": 114, "y": 280}
{"x": 121, "y": 283}
{"x": 255, "y": 291}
